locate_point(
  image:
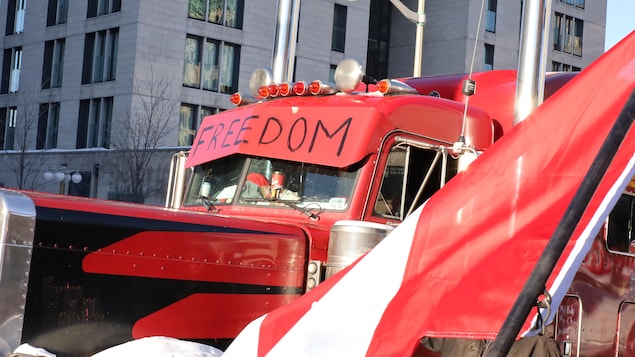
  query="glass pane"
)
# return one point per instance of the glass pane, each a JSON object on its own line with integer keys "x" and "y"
{"x": 227, "y": 69}
{"x": 210, "y": 66}
{"x": 390, "y": 193}
{"x": 191, "y": 68}
{"x": 270, "y": 182}
{"x": 311, "y": 186}
{"x": 196, "y": 9}
{"x": 217, "y": 181}
{"x": 185, "y": 125}
{"x": 216, "y": 10}
{"x": 232, "y": 12}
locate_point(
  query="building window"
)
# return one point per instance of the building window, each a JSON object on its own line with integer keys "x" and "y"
{"x": 15, "y": 21}
{"x": 489, "y": 57}
{"x": 95, "y": 120}
{"x": 47, "y": 126}
{"x": 8, "y": 120}
{"x": 102, "y": 7}
{"x": 189, "y": 122}
{"x": 338, "y": 39}
{"x": 490, "y": 16}
{"x": 217, "y": 59}
{"x": 57, "y": 12}
{"x": 576, "y": 3}
{"x": 187, "y": 125}
{"x": 568, "y": 34}
{"x": 378, "y": 39}
{"x": 100, "y": 56}
{"x": 53, "y": 63}
{"x": 563, "y": 67}
{"x": 11, "y": 65}
{"x": 221, "y": 12}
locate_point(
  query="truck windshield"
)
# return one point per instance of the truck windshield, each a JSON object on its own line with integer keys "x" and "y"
{"x": 246, "y": 180}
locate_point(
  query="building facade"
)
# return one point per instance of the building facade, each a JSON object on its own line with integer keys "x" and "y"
{"x": 455, "y": 42}
{"x": 81, "y": 80}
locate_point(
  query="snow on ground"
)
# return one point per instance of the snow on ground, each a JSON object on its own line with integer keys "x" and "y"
{"x": 160, "y": 346}
{"x": 157, "y": 346}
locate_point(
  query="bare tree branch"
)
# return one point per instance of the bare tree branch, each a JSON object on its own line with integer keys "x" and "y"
{"x": 26, "y": 166}
{"x": 144, "y": 130}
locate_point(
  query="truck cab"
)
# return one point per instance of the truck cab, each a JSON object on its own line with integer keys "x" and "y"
{"x": 319, "y": 159}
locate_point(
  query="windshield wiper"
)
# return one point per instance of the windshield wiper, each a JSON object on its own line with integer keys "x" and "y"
{"x": 303, "y": 210}
{"x": 308, "y": 212}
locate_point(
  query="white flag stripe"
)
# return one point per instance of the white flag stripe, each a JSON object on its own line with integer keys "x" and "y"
{"x": 350, "y": 310}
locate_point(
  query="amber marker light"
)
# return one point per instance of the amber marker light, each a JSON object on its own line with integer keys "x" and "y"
{"x": 383, "y": 86}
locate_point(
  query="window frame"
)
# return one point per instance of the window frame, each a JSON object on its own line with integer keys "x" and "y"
{"x": 338, "y": 35}
{"x": 440, "y": 168}
{"x": 8, "y": 122}
{"x": 226, "y": 56}
{"x": 207, "y": 10}
{"x": 53, "y": 64}
{"x": 488, "y": 60}
{"x": 568, "y": 34}
{"x": 57, "y": 12}
{"x": 98, "y": 8}
{"x": 48, "y": 126}
{"x": 101, "y": 49}
{"x": 94, "y": 122}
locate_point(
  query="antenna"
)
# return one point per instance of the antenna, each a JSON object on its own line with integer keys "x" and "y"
{"x": 469, "y": 87}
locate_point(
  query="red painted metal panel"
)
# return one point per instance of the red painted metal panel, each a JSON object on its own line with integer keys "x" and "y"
{"x": 218, "y": 315}
{"x": 265, "y": 259}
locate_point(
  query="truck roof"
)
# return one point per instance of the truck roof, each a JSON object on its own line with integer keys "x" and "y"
{"x": 336, "y": 130}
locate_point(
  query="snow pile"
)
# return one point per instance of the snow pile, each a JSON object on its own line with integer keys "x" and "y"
{"x": 160, "y": 346}
{"x": 30, "y": 351}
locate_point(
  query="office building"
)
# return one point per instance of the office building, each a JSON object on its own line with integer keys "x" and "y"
{"x": 79, "y": 78}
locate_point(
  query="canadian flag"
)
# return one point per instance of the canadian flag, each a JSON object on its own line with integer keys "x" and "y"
{"x": 456, "y": 266}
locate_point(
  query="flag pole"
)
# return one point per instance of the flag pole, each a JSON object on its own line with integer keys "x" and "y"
{"x": 535, "y": 284}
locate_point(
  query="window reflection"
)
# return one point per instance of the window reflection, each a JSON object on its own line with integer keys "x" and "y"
{"x": 257, "y": 181}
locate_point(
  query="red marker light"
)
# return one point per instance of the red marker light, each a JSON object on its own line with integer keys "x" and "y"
{"x": 236, "y": 98}
{"x": 273, "y": 90}
{"x": 300, "y": 88}
{"x": 263, "y": 91}
{"x": 315, "y": 87}
{"x": 284, "y": 89}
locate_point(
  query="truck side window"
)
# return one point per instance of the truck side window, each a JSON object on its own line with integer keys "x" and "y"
{"x": 411, "y": 176}
{"x": 619, "y": 236}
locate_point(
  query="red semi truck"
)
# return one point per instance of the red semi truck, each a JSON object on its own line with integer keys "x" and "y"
{"x": 80, "y": 275}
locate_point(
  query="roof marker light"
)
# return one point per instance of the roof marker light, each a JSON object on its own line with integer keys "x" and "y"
{"x": 273, "y": 90}
{"x": 263, "y": 91}
{"x": 239, "y": 99}
{"x": 300, "y": 88}
{"x": 318, "y": 88}
{"x": 393, "y": 86}
{"x": 285, "y": 89}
